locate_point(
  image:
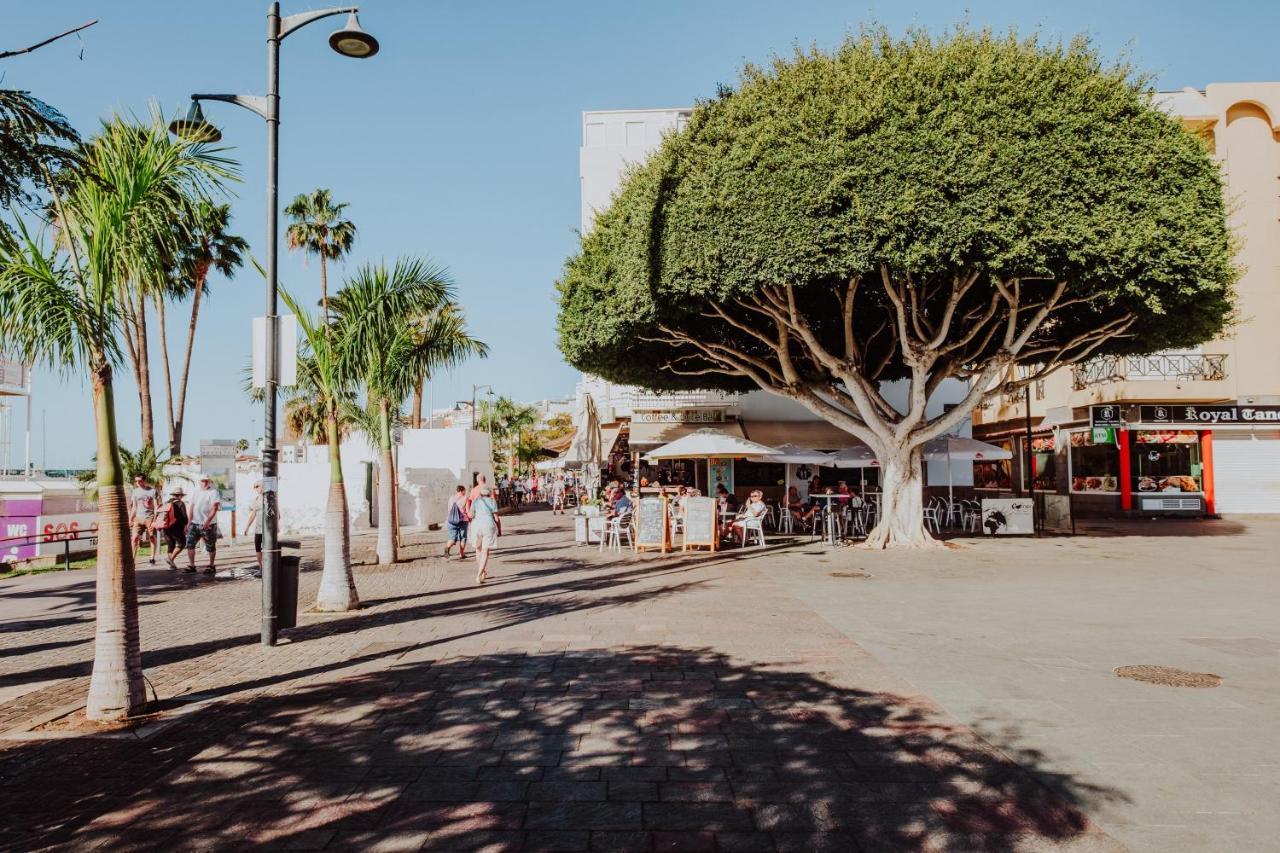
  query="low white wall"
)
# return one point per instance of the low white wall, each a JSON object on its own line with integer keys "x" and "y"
{"x": 430, "y": 463}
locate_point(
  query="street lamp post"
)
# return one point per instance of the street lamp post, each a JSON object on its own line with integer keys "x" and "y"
{"x": 349, "y": 41}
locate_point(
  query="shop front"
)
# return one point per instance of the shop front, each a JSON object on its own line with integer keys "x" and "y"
{"x": 1159, "y": 458}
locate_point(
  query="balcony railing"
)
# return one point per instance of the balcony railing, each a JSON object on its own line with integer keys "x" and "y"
{"x": 678, "y": 399}
{"x": 1187, "y": 367}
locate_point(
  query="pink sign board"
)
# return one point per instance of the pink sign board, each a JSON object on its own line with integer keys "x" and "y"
{"x": 13, "y": 526}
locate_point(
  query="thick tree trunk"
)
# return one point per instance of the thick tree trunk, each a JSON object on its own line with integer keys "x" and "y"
{"x": 116, "y": 688}
{"x": 386, "y": 490}
{"x": 415, "y": 414}
{"x": 181, "y": 407}
{"x": 168, "y": 375}
{"x": 144, "y": 378}
{"x": 901, "y": 521}
{"x": 337, "y": 583}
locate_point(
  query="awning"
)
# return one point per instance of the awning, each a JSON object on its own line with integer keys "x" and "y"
{"x": 819, "y": 435}
{"x": 561, "y": 444}
{"x": 648, "y": 436}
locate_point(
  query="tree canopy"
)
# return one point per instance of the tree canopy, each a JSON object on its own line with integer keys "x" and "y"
{"x": 942, "y": 172}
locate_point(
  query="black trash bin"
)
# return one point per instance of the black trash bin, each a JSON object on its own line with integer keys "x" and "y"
{"x": 287, "y": 592}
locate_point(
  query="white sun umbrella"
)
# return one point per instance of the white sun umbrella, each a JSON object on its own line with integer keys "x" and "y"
{"x": 951, "y": 447}
{"x": 711, "y": 444}
{"x": 794, "y": 454}
{"x": 857, "y": 456}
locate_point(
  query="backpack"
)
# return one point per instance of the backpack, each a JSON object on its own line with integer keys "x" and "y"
{"x": 456, "y": 515}
{"x": 163, "y": 516}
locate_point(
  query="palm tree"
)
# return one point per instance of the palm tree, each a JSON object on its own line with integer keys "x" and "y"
{"x": 32, "y": 134}
{"x": 145, "y": 462}
{"x": 206, "y": 245}
{"x": 445, "y": 343}
{"x": 64, "y": 311}
{"x": 331, "y": 390}
{"x": 507, "y": 420}
{"x": 319, "y": 229}
{"x": 381, "y": 349}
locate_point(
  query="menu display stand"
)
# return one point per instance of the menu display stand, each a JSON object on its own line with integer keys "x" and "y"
{"x": 653, "y": 525}
{"x": 700, "y": 528}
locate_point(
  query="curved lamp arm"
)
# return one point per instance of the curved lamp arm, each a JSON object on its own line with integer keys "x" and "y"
{"x": 253, "y": 103}
{"x": 294, "y": 22}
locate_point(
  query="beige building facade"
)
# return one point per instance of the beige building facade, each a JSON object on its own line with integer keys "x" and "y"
{"x": 1192, "y": 432}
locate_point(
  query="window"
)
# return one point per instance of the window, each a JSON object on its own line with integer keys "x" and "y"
{"x": 1166, "y": 461}
{"x": 1043, "y": 462}
{"x": 1095, "y": 461}
{"x": 997, "y": 474}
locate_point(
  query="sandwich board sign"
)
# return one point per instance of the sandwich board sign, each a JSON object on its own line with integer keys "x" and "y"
{"x": 700, "y": 523}
{"x": 652, "y": 524}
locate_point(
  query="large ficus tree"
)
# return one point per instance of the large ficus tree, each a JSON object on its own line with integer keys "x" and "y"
{"x": 975, "y": 207}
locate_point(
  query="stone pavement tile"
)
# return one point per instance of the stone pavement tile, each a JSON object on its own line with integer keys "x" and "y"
{"x": 556, "y": 840}
{"x": 379, "y": 841}
{"x": 568, "y": 791}
{"x": 621, "y": 842}
{"x": 685, "y": 842}
{"x": 590, "y": 816}
{"x": 696, "y": 816}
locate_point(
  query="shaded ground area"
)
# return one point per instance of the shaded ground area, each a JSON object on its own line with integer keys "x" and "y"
{"x": 580, "y": 701}
{"x": 1018, "y": 638}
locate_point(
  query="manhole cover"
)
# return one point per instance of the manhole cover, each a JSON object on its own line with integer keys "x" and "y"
{"x": 1170, "y": 676}
{"x": 850, "y": 574}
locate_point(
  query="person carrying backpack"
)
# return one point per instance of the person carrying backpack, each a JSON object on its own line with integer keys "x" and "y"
{"x": 171, "y": 522}
{"x": 457, "y": 523}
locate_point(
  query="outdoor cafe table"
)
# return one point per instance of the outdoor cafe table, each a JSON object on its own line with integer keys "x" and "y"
{"x": 829, "y": 535}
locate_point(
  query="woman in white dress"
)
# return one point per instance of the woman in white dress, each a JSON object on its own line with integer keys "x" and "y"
{"x": 484, "y": 530}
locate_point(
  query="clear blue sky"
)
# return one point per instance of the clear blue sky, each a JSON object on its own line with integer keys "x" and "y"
{"x": 460, "y": 139}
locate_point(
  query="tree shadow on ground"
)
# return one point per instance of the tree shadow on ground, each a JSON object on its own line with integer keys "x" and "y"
{"x": 655, "y": 747}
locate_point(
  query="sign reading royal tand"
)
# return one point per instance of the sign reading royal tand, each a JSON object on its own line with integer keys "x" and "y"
{"x": 1183, "y": 414}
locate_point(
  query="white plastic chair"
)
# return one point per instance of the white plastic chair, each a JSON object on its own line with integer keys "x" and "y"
{"x": 752, "y": 525}
{"x": 786, "y": 521}
{"x": 615, "y": 529}
{"x": 931, "y": 518}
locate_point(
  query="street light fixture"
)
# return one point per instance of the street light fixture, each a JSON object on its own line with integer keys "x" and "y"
{"x": 351, "y": 41}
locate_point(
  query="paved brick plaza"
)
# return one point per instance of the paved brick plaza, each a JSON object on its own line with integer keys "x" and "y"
{"x": 578, "y": 701}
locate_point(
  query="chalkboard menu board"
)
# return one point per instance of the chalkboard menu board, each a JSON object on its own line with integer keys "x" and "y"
{"x": 651, "y": 524}
{"x": 700, "y": 522}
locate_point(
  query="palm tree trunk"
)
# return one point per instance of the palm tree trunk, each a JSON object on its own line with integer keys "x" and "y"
{"x": 168, "y": 375}
{"x": 415, "y": 414}
{"x": 386, "y": 488}
{"x": 186, "y": 361}
{"x": 116, "y": 688}
{"x": 144, "y": 378}
{"x": 337, "y": 583}
{"x": 324, "y": 291}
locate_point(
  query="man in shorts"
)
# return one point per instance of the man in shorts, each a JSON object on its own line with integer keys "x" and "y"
{"x": 205, "y": 503}
{"x": 142, "y": 509}
{"x": 255, "y": 521}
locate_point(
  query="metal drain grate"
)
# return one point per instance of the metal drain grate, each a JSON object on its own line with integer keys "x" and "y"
{"x": 1170, "y": 676}
{"x": 850, "y": 574}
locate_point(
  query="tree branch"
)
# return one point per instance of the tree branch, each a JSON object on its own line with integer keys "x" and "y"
{"x": 8, "y": 53}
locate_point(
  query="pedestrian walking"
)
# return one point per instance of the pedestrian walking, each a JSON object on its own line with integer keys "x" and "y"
{"x": 255, "y": 521}
{"x": 142, "y": 509}
{"x": 557, "y": 488}
{"x": 456, "y": 523}
{"x": 484, "y": 531}
{"x": 171, "y": 525}
{"x": 205, "y": 504}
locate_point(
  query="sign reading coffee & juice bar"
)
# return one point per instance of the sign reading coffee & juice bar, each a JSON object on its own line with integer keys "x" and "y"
{"x": 1183, "y": 414}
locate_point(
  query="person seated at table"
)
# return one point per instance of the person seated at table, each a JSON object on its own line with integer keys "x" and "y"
{"x": 728, "y": 503}
{"x": 622, "y": 504}
{"x": 795, "y": 505}
{"x": 842, "y": 489}
{"x": 815, "y": 487}
{"x": 755, "y": 507}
